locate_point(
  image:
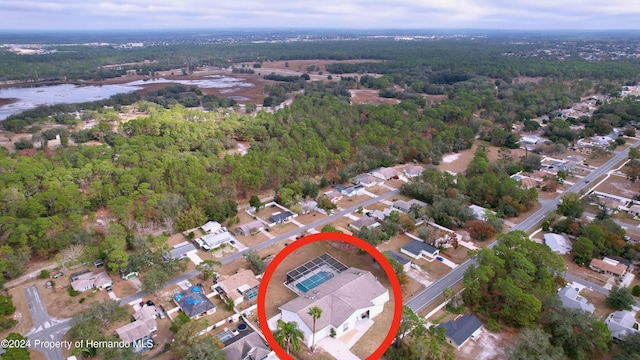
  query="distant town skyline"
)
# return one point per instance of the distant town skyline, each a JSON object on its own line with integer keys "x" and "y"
{"x": 548, "y": 15}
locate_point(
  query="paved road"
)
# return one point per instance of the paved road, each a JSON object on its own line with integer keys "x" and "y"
{"x": 590, "y": 285}
{"x": 137, "y": 296}
{"x": 428, "y": 295}
{"x": 45, "y": 328}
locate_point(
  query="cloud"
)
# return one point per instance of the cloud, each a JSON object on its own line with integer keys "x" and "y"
{"x": 140, "y": 14}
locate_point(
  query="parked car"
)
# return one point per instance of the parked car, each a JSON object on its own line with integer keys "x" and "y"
{"x": 48, "y": 284}
{"x": 439, "y": 258}
{"x": 109, "y": 288}
{"x": 150, "y": 303}
{"x": 98, "y": 263}
{"x": 57, "y": 275}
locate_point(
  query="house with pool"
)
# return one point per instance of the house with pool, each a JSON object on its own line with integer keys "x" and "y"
{"x": 194, "y": 302}
{"x": 350, "y": 298}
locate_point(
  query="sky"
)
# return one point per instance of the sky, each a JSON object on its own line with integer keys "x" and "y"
{"x": 342, "y": 14}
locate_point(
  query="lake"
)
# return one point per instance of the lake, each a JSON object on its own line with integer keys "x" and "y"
{"x": 31, "y": 97}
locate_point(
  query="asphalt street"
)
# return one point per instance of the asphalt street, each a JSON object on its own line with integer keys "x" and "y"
{"x": 46, "y": 329}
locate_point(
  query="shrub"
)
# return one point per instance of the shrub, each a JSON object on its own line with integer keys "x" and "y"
{"x": 73, "y": 292}
{"x": 44, "y": 273}
{"x": 493, "y": 326}
{"x": 81, "y": 300}
{"x": 636, "y": 290}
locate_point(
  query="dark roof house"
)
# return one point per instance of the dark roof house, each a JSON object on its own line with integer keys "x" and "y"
{"x": 416, "y": 249}
{"x": 280, "y": 217}
{"x": 194, "y": 303}
{"x": 460, "y": 330}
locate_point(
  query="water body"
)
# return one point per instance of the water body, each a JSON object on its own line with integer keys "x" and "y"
{"x": 31, "y": 97}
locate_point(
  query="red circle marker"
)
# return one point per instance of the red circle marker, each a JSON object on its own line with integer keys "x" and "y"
{"x": 325, "y": 236}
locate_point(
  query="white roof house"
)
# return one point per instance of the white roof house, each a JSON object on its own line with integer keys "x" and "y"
{"x": 90, "y": 280}
{"x": 347, "y": 298}
{"x": 369, "y": 180}
{"x": 621, "y": 324}
{"x": 211, "y": 241}
{"x": 385, "y": 173}
{"x": 251, "y": 227}
{"x": 558, "y": 243}
{"x": 571, "y": 298}
{"x": 211, "y": 226}
{"x": 480, "y": 212}
{"x": 413, "y": 170}
{"x": 530, "y": 139}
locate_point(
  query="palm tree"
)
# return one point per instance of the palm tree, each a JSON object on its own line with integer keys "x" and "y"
{"x": 315, "y": 313}
{"x": 289, "y": 334}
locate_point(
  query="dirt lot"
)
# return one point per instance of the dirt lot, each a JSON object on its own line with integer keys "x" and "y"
{"x": 489, "y": 346}
{"x": 349, "y": 201}
{"x": 598, "y": 300}
{"x": 366, "y": 96}
{"x": 458, "y": 162}
{"x": 618, "y": 185}
{"x": 310, "y": 217}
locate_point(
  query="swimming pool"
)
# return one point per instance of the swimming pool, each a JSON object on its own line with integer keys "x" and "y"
{"x": 251, "y": 294}
{"x": 314, "y": 281}
{"x": 225, "y": 335}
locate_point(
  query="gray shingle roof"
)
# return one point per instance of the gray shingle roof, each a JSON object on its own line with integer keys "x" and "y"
{"x": 403, "y": 260}
{"x": 193, "y": 302}
{"x": 415, "y": 247}
{"x": 459, "y": 331}
{"x": 571, "y": 299}
{"x": 276, "y": 218}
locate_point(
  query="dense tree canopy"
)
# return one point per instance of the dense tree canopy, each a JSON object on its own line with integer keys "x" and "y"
{"x": 512, "y": 279}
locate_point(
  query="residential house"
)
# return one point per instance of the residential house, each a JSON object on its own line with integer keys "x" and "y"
{"x": 558, "y": 243}
{"x": 308, "y": 206}
{"x": 385, "y": 173}
{"x": 571, "y": 299}
{"x": 529, "y": 182}
{"x": 89, "y": 280}
{"x": 380, "y": 215}
{"x": 609, "y": 267}
{"x": 461, "y": 329}
{"x": 539, "y": 175}
{"x": 621, "y": 324}
{"x": 406, "y": 263}
{"x": 250, "y": 228}
{"x": 194, "y": 303}
{"x": 353, "y": 190}
{"x": 136, "y": 334}
{"x": 333, "y": 196}
{"x": 211, "y": 241}
{"x": 575, "y": 158}
{"x": 413, "y": 171}
{"x": 179, "y": 251}
{"x": 239, "y": 286}
{"x": 417, "y": 249}
{"x": 480, "y": 212}
{"x": 211, "y": 227}
{"x": 634, "y": 210}
{"x": 364, "y": 222}
{"x": 249, "y": 347}
{"x": 348, "y": 299}
{"x": 147, "y": 314}
{"x": 404, "y": 206}
{"x": 611, "y": 205}
{"x": 280, "y": 217}
{"x": 369, "y": 180}
{"x": 530, "y": 139}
